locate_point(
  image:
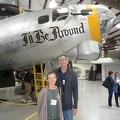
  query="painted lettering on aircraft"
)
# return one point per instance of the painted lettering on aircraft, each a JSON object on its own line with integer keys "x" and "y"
{"x": 39, "y": 36}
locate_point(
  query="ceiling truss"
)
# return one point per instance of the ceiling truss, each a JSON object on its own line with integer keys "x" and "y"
{"x": 111, "y": 3}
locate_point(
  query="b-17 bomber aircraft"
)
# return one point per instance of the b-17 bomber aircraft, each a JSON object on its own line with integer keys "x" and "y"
{"x": 40, "y": 36}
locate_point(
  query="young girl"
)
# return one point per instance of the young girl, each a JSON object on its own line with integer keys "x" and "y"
{"x": 49, "y": 101}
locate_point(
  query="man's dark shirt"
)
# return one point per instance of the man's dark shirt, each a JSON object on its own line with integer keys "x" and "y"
{"x": 28, "y": 77}
{"x": 69, "y": 89}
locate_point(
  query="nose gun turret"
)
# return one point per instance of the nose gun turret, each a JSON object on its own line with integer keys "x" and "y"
{"x": 106, "y": 20}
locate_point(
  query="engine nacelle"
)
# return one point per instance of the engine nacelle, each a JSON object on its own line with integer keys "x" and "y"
{"x": 87, "y": 50}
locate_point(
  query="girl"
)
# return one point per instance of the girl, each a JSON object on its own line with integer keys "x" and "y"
{"x": 49, "y": 101}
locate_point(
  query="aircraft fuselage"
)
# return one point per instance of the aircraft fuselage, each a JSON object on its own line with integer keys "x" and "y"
{"x": 41, "y": 36}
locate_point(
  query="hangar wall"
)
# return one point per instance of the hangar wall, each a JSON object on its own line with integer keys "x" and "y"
{"x": 83, "y": 67}
{"x": 115, "y": 67}
{"x": 105, "y": 68}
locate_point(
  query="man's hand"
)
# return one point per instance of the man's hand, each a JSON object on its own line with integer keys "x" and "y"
{"x": 74, "y": 111}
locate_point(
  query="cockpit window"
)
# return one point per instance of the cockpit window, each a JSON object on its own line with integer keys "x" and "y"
{"x": 60, "y": 14}
{"x": 43, "y": 19}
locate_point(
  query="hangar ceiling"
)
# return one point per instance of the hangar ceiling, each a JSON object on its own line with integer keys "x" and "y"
{"x": 112, "y": 45}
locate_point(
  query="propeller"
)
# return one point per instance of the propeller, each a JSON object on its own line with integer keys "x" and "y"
{"x": 9, "y": 9}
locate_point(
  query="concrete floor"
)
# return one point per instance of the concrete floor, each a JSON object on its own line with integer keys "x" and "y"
{"x": 92, "y": 104}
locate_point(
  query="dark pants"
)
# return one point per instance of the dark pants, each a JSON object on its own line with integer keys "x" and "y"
{"x": 27, "y": 90}
{"x": 110, "y": 94}
{"x": 116, "y": 98}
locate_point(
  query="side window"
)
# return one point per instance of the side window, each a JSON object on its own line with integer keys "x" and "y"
{"x": 43, "y": 19}
{"x": 60, "y": 14}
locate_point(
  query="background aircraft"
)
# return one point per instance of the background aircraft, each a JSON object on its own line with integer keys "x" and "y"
{"x": 41, "y": 36}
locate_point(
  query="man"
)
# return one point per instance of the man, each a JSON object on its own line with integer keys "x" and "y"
{"x": 94, "y": 72}
{"x": 27, "y": 83}
{"x": 68, "y": 82}
{"x": 110, "y": 89}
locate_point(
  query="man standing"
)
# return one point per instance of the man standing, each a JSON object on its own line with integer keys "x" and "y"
{"x": 68, "y": 82}
{"x": 27, "y": 83}
{"x": 110, "y": 89}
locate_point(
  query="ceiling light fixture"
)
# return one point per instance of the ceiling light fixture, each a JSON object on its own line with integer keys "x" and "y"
{"x": 52, "y": 4}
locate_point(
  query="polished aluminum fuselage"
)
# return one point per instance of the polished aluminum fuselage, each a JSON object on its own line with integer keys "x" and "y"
{"x": 20, "y": 45}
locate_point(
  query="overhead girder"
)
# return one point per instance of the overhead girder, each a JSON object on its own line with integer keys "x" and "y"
{"x": 111, "y": 3}
{"x": 29, "y": 4}
{"x": 118, "y": 14}
{"x": 116, "y": 24}
{"x": 114, "y": 31}
{"x": 80, "y": 1}
{"x": 63, "y": 1}
{"x": 45, "y": 3}
{"x": 115, "y": 37}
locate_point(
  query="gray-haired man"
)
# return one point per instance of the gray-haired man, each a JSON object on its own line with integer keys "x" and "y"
{"x": 68, "y": 82}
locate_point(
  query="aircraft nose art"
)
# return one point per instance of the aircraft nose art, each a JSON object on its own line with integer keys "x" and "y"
{"x": 100, "y": 22}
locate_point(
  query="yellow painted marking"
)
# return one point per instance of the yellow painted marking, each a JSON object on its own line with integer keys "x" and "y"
{"x": 94, "y": 26}
{"x": 20, "y": 10}
{"x": 31, "y": 116}
{"x": 18, "y": 104}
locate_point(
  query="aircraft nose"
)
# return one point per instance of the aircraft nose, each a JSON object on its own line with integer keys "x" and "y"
{"x": 106, "y": 20}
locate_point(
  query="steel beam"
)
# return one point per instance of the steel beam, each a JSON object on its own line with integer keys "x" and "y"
{"x": 111, "y": 3}
{"x": 45, "y": 4}
{"x": 63, "y": 1}
{"x": 29, "y": 4}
